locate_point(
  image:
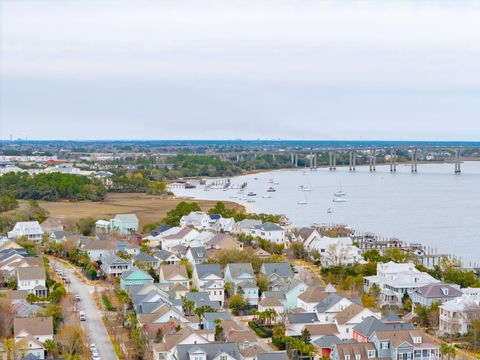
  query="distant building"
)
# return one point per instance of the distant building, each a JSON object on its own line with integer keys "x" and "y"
{"x": 29, "y": 229}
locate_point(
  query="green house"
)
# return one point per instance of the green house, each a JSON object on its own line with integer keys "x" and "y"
{"x": 135, "y": 276}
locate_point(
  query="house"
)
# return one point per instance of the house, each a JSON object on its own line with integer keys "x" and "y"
{"x": 209, "y": 318}
{"x": 124, "y": 223}
{"x": 271, "y": 303}
{"x": 320, "y": 330}
{"x": 333, "y": 251}
{"x": 134, "y": 276}
{"x": 166, "y": 257}
{"x": 404, "y": 344}
{"x": 114, "y": 265}
{"x": 197, "y": 255}
{"x": 59, "y": 236}
{"x": 164, "y": 313}
{"x": 355, "y": 351}
{"x": 223, "y": 242}
{"x": 325, "y": 344}
{"x": 351, "y": 316}
{"x": 52, "y": 224}
{"x": 208, "y": 277}
{"x": 395, "y": 280}
{"x": 272, "y": 355}
{"x": 224, "y": 225}
{"x": 174, "y": 274}
{"x": 310, "y": 298}
{"x": 243, "y": 277}
{"x": 437, "y": 292}
{"x": 177, "y": 236}
{"x": 197, "y": 219}
{"x": 128, "y": 248}
{"x": 278, "y": 274}
{"x": 362, "y": 331}
{"x": 167, "y": 347}
{"x": 328, "y": 308}
{"x": 30, "y": 335}
{"x": 287, "y": 294}
{"x": 210, "y": 351}
{"x": 297, "y": 321}
{"x": 97, "y": 250}
{"x": 245, "y": 226}
{"x": 146, "y": 261}
{"x": 159, "y": 230}
{"x": 32, "y": 279}
{"x": 262, "y": 254}
{"x": 455, "y": 314}
{"x": 29, "y": 229}
{"x": 304, "y": 235}
{"x": 269, "y": 231}
{"x": 103, "y": 226}
{"x": 202, "y": 298}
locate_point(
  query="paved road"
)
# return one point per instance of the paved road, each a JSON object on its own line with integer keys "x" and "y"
{"x": 94, "y": 326}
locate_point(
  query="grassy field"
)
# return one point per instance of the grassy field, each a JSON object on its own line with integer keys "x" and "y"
{"x": 148, "y": 208}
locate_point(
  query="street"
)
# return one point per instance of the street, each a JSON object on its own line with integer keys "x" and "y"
{"x": 94, "y": 327}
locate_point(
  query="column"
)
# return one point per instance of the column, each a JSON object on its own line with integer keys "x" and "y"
{"x": 334, "y": 160}
{"x": 353, "y": 160}
{"x": 350, "y": 160}
{"x": 374, "y": 156}
{"x": 330, "y": 160}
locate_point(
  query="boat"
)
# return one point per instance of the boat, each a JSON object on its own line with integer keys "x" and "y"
{"x": 276, "y": 183}
{"x": 251, "y": 193}
{"x": 270, "y": 181}
{"x": 266, "y": 197}
{"x": 302, "y": 202}
{"x": 329, "y": 211}
{"x": 305, "y": 188}
{"x": 271, "y": 189}
{"x": 339, "y": 198}
{"x": 250, "y": 201}
{"x": 340, "y": 193}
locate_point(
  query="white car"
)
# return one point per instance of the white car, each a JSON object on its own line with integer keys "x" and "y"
{"x": 93, "y": 347}
{"x": 82, "y": 316}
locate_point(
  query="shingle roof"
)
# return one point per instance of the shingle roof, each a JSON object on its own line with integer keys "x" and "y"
{"x": 270, "y": 302}
{"x": 126, "y": 217}
{"x": 169, "y": 271}
{"x": 274, "y": 355}
{"x": 353, "y": 349}
{"x": 144, "y": 257}
{"x": 322, "y": 329}
{"x": 211, "y": 349}
{"x": 348, "y": 313}
{"x": 212, "y": 316}
{"x": 163, "y": 254}
{"x": 437, "y": 290}
{"x": 302, "y": 318}
{"x": 204, "y": 270}
{"x": 371, "y": 324}
{"x": 268, "y": 226}
{"x": 327, "y": 341}
{"x": 398, "y": 337}
{"x": 282, "y": 269}
{"x": 180, "y": 234}
{"x": 34, "y": 326}
{"x": 239, "y": 269}
{"x": 100, "y": 245}
{"x": 29, "y": 273}
{"x": 313, "y": 294}
{"x": 328, "y": 302}
{"x": 199, "y": 253}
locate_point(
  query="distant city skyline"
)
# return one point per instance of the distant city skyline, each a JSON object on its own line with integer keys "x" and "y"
{"x": 294, "y": 70}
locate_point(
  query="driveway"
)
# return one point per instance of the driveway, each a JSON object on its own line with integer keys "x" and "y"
{"x": 94, "y": 326}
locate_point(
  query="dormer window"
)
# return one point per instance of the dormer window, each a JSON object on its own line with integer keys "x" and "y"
{"x": 357, "y": 356}
{"x": 417, "y": 340}
{"x": 347, "y": 357}
{"x": 445, "y": 291}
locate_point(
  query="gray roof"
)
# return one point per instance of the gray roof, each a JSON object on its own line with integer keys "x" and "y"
{"x": 302, "y": 318}
{"x": 163, "y": 254}
{"x": 274, "y": 355}
{"x": 239, "y": 269}
{"x": 217, "y": 238}
{"x": 211, "y": 349}
{"x": 327, "y": 341}
{"x": 114, "y": 259}
{"x": 199, "y": 253}
{"x": 436, "y": 290}
{"x": 126, "y": 217}
{"x": 282, "y": 269}
{"x": 304, "y": 232}
{"x": 197, "y": 296}
{"x": 212, "y": 316}
{"x": 204, "y": 270}
{"x": 59, "y": 234}
{"x": 144, "y": 257}
{"x": 371, "y": 324}
{"x": 328, "y": 302}
{"x": 268, "y": 226}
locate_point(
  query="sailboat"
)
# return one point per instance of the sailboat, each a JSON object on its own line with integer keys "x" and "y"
{"x": 329, "y": 211}
{"x": 303, "y": 202}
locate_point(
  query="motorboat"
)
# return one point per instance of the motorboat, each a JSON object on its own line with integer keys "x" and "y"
{"x": 271, "y": 189}
{"x": 266, "y": 197}
{"x": 305, "y": 188}
{"x": 251, "y": 193}
{"x": 339, "y": 198}
{"x": 329, "y": 211}
{"x": 302, "y": 202}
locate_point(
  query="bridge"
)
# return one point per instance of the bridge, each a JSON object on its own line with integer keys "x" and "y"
{"x": 310, "y": 156}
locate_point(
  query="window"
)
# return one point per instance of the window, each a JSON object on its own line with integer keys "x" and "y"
{"x": 347, "y": 330}
{"x": 347, "y": 357}
{"x": 357, "y": 356}
{"x": 371, "y": 354}
{"x": 417, "y": 340}
{"x": 384, "y": 345}
{"x": 223, "y": 357}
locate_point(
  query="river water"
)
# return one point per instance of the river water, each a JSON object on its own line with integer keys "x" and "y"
{"x": 433, "y": 207}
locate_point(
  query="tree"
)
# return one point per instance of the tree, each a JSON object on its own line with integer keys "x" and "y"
{"x": 183, "y": 208}
{"x": 305, "y": 336}
{"x": 202, "y": 310}
{"x": 298, "y": 250}
{"x": 262, "y": 283}
{"x": 188, "y": 266}
{"x": 237, "y": 302}
{"x": 374, "y": 290}
{"x": 71, "y": 339}
{"x": 219, "y": 332}
{"x": 447, "y": 350}
{"x": 86, "y": 226}
{"x": 7, "y": 202}
{"x": 159, "y": 336}
{"x": 188, "y": 306}
{"x": 51, "y": 347}
{"x": 6, "y": 317}
{"x": 368, "y": 301}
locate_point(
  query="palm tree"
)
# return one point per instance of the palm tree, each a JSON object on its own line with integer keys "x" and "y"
{"x": 51, "y": 347}
{"x": 447, "y": 350}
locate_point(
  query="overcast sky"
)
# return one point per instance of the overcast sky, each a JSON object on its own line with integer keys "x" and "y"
{"x": 179, "y": 69}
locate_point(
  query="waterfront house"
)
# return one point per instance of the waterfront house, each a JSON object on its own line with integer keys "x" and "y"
{"x": 174, "y": 274}
{"x": 395, "y": 280}
{"x": 134, "y": 276}
{"x": 269, "y": 231}
{"x": 196, "y": 219}
{"x": 455, "y": 315}
{"x": 32, "y": 279}
{"x": 28, "y": 229}
{"x": 278, "y": 274}
{"x": 208, "y": 277}
{"x": 245, "y": 226}
{"x": 334, "y": 251}
{"x": 437, "y": 292}
{"x": 223, "y": 225}
{"x": 244, "y": 280}
{"x": 114, "y": 265}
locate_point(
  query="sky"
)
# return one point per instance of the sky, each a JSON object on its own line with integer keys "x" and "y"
{"x": 240, "y": 69}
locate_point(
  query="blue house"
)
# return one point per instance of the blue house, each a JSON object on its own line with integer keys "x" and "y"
{"x": 124, "y": 223}
{"x": 209, "y": 318}
{"x": 135, "y": 276}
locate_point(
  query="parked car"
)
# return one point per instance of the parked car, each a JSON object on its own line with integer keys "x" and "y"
{"x": 78, "y": 298}
{"x": 82, "y": 315}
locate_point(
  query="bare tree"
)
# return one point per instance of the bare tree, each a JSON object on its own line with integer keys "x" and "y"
{"x": 335, "y": 254}
{"x": 6, "y": 318}
{"x": 472, "y": 317}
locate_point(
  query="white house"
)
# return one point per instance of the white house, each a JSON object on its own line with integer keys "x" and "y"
{"x": 243, "y": 277}
{"x": 172, "y": 238}
{"x": 269, "y": 231}
{"x": 351, "y": 316}
{"x": 30, "y": 229}
{"x": 114, "y": 265}
{"x": 197, "y": 219}
{"x": 310, "y": 298}
{"x": 174, "y": 274}
{"x": 32, "y": 279}
{"x": 395, "y": 280}
{"x": 329, "y": 307}
{"x": 196, "y": 255}
{"x": 334, "y": 251}
{"x": 208, "y": 278}
{"x": 31, "y": 333}
{"x": 245, "y": 226}
{"x": 98, "y": 250}
{"x": 455, "y": 314}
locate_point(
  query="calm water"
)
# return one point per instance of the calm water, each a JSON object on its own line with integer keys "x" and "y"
{"x": 434, "y": 207}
